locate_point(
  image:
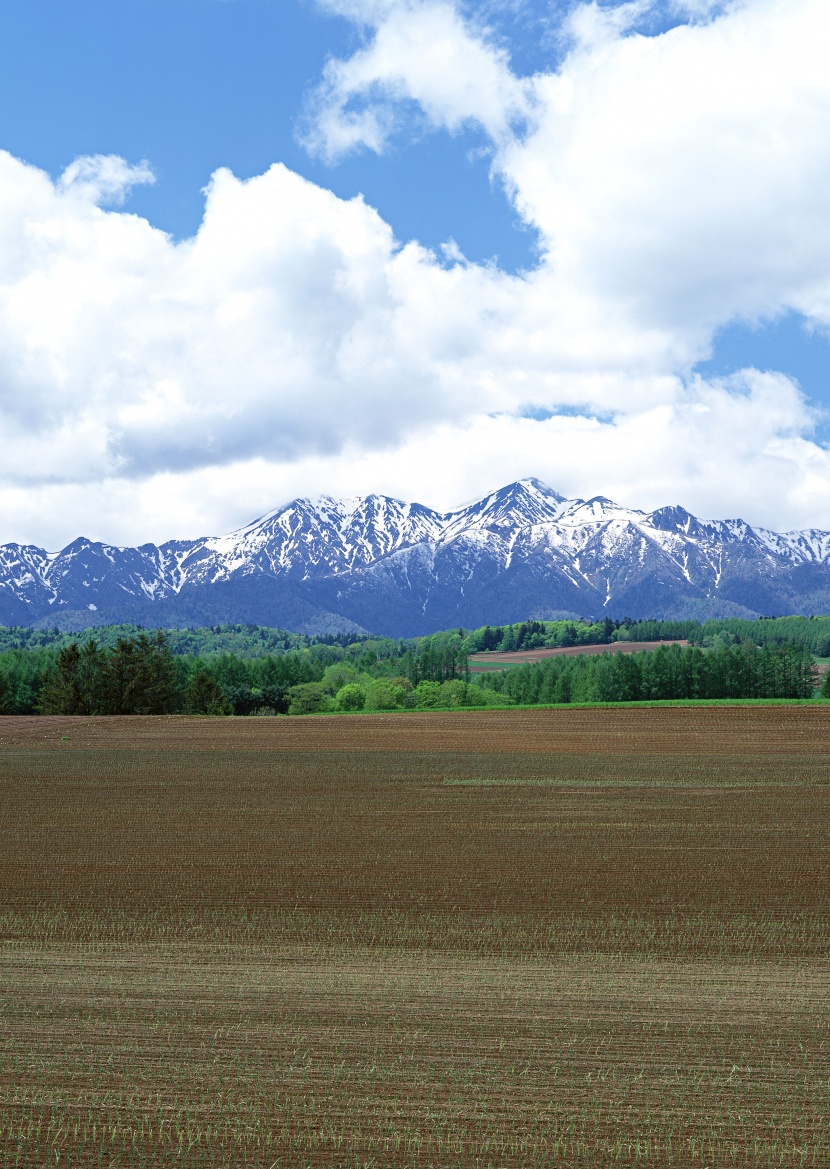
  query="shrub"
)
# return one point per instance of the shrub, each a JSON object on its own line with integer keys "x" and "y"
{"x": 478, "y": 696}
{"x": 340, "y": 675}
{"x": 384, "y": 695}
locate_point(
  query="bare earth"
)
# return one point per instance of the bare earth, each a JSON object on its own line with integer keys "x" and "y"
{"x": 511, "y": 938}
{"x": 491, "y": 661}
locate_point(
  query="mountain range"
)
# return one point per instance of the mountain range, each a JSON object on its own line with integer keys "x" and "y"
{"x": 380, "y": 565}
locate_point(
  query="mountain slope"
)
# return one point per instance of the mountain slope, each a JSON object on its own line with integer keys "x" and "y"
{"x": 402, "y": 569}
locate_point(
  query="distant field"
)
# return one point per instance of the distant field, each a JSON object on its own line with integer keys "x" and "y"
{"x": 498, "y": 661}
{"x": 508, "y": 938}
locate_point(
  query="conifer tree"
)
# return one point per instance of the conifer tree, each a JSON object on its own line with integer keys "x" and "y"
{"x": 61, "y": 692}
{"x": 204, "y": 695}
{"x": 140, "y": 676}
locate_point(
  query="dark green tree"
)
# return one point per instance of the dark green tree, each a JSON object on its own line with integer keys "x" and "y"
{"x": 204, "y": 695}
{"x": 140, "y": 676}
{"x": 61, "y": 693}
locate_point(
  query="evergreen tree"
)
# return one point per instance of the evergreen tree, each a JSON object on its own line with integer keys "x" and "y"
{"x": 140, "y": 676}
{"x": 61, "y": 692}
{"x": 204, "y": 695}
{"x": 91, "y": 678}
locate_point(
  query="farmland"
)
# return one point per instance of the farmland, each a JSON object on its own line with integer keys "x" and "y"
{"x": 496, "y": 660}
{"x": 508, "y": 938}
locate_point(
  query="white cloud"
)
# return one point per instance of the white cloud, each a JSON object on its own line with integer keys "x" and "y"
{"x": 104, "y": 178}
{"x": 151, "y": 388}
{"x": 680, "y": 177}
{"x": 422, "y": 51}
{"x": 593, "y": 27}
{"x": 291, "y": 323}
{"x": 720, "y": 450}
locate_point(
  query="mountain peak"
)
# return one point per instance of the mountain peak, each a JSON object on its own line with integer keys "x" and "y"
{"x": 380, "y": 563}
{"x": 520, "y": 504}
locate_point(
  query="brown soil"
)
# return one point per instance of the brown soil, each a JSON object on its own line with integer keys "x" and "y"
{"x": 501, "y": 939}
{"x": 757, "y": 729}
{"x": 480, "y": 661}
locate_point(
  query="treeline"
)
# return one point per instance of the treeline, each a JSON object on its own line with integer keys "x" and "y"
{"x": 669, "y": 672}
{"x": 250, "y": 641}
{"x": 563, "y": 634}
{"x": 538, "y": 635}
{"x": 136, "y": 676}
{"x": 141, "y": 674}
{"x": 243, "y": 640}
{"x": 812, "y": 632}
{"x": 132, "y": 671}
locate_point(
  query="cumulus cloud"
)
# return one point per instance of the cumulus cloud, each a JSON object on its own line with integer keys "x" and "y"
{"x": 104, "y": 178}
{"x": 723, "y": 450}
{"x": 676, "y": 183}
{"x": 679, "y": 178}
{"x": 421, "y": 52}
{"x": 292, "y": 322}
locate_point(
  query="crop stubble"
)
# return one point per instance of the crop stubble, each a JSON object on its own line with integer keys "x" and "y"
{"x": 510, "y": 938}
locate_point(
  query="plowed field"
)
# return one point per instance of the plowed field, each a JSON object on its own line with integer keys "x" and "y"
{"x": 513, "y": 938}
{"x": 495, "y": 660}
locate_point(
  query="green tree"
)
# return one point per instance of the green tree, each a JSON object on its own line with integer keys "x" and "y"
{"x": 308, "y": 698}
{"x": 453, "y": 692}
{"x": 63, "y": 691}
{"x": 351, "y": 697}
{"x": 141, "y": 676}
{"x": 204, "y": 695}
{"x": 339, "y": 675}
{"x": 383, "y": 694}
{"x": 427, "y": 695}
{"x": 91, "y": 667}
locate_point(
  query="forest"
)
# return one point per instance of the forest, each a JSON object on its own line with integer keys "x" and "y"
{"x": 140, "y": 674}
{"x": 245, "y": 670}
{"x": 668, "y": 672}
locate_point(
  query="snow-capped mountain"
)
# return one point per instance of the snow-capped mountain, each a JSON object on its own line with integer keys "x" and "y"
{"x": 401, "y": 569}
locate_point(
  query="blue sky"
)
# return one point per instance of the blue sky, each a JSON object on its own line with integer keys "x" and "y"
{"x": 787, "y": 343}
{"x": 192, "y": 85}
{"x": 593, "y": 242}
